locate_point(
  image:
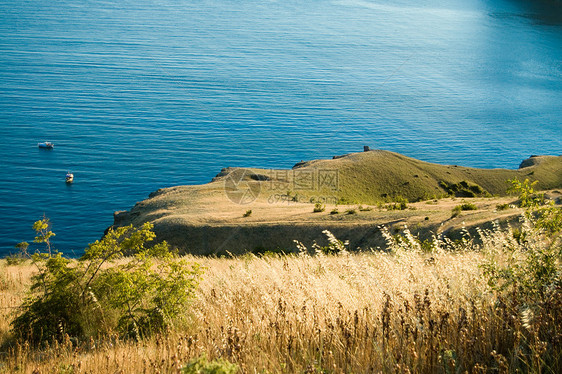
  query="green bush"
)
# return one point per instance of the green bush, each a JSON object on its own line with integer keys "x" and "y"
{"x": 549, "y": 219}
{"x": 528, "y": 197}
{"x": 343, "y": 201}
{"x": 465, "y": 206}
{"x": 20, "y": 257}
{"x": 456, "y": 211}
{"x": 399, "y": 204}
{"x": 14, "y": 259}
{"x": 319, "y": 207}
{"x": 468, "y": 206}
{"x": 526, "y": 274}
{"x": 534, "y": 269}
{"x": 91, "y": 297}
{"x": 248, "y": 213}
{"x": 462, "y": 189}
{"x": 334, "y": 247}
{"x": 500, "y": 207}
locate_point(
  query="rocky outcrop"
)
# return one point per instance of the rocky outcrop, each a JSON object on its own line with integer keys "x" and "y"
{"x": 531, "y": 161}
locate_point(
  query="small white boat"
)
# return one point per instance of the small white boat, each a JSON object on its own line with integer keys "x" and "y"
{"x": 46, "y": 145}
{"x": 69, "y": 177}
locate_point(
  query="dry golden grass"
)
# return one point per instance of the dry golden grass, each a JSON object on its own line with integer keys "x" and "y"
{"x": 407, "y": 311}
{"x": 14, "y": 280}
{"x": 355, "y": 313}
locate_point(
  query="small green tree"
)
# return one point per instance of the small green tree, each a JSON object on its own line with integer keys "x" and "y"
{"x": 43, "y": 230}
{"x": 528, "y": 197}
{"x": 144, "y": 293}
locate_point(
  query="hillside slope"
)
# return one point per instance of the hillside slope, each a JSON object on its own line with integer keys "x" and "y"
{"x": 369, "y": 177}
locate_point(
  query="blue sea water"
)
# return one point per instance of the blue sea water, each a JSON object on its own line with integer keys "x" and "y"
{"x": 139, "y": 95}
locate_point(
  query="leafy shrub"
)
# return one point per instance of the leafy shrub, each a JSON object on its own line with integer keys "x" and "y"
{"x": 549, "y": 219}
{"x": 456, "y": 211}
{"x": 319, "y": 207}
{"x": 202, "y": 365}
{"x": 519, "y": 235}
{"x": 343, "y": 201}
{"x": 399, "y": 204}
{"x": 248, "y": 213}
{"x": 43, "y": 230}
{"x": 533, "y": 269}
{"x": 334, "y": 211}
{"x": 14, "y": 259}
{"x": 145, "y": 293}
{"x": 20, "y": 257}
{"x": 351, "y": 211}
{"x": 261, "y": 251}
{"x": 528, "y": 282}
{"x": 426, "y": 245}
{"x": 290, "y": 197}
{"x": 528, "y": 197}
{"x": 463, "y": 189}
{"x": 335, "y": 246}
{"x": 468, "y": 206}
{"x": 500, "y": 207}
{"x": 465, "y": 206}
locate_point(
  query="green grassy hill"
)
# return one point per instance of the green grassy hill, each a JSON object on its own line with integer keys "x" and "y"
{"x": 374, "y": 176}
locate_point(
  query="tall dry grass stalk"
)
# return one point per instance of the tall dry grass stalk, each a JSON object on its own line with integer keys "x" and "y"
{"x": 14, "y": 280}
{"x": 405, "y": 311}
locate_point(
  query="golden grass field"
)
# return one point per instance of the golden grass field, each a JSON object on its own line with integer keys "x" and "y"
{"x": 405, "y": 311}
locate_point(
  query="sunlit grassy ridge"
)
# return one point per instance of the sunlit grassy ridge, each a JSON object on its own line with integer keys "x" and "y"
{"x": 378, "y": 175}
{"x": 368, "y": 177}
{"x": 205, "y": 219}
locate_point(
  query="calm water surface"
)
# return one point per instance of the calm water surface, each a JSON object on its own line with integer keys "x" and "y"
{"x": 139, "y": 95}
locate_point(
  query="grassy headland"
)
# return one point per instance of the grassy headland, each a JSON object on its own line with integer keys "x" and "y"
{"x": 209, "y": 218}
